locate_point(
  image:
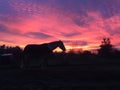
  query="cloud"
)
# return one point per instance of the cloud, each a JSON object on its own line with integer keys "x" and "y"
{"x": 106, "y": 8}
{"x": 81, "y": 22}
{"x": 33, "y": 21}
{"x": 7, "y": 29}
{"x": 3, "y": 28}
{"x": 38, "y": 35}
{"x": 75, "y": 43}
{"x": 5, "y": 8}
{"x": 71, "y": 34}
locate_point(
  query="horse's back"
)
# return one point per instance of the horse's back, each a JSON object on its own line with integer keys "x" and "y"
{"x": 37, "y": 50}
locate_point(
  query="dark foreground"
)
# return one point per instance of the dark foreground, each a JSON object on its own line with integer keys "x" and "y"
{"x": 81, "y": 77}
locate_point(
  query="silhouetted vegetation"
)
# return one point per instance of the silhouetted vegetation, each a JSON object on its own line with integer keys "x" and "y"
{"x": 105, "y": 48}
{"x": 10, "y": 55}
{"x": 106, "y": 54}
{"x": 8, "y": 49}
{"x": 65, "y": 70}
{"x": 107, "y": 51}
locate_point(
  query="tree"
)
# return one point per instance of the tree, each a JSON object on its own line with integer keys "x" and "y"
{"x": 105, "y": 48}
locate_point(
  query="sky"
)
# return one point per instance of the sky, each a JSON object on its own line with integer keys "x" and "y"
{"x": 78, "y": 23}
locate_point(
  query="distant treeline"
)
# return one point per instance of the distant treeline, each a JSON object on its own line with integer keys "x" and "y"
{"x": 106, "y": 53}
{"x": 15, "y": 51}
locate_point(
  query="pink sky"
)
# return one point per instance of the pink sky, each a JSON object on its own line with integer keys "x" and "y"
{"x": 33, "y": 21}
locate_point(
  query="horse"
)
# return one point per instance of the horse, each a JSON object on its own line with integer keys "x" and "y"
{"x": 37, "y": 54}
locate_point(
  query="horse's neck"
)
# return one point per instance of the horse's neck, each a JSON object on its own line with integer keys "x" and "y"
{"x": 53, "y": 45}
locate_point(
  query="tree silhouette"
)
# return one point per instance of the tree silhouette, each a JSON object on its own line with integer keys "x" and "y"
{"x": 105, "y": 48}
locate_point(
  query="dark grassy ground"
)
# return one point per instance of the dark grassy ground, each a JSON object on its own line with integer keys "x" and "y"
{"x": 54, "y": 77}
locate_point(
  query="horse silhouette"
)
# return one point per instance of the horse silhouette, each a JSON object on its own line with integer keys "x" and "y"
{"x": 37, "y": 54}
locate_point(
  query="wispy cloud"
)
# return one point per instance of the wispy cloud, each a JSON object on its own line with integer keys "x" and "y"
{"x": 82, "y": 20}
{"x": 38, "y": 35}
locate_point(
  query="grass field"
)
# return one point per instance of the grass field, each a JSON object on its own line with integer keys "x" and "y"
{"x": 56, "y": 77}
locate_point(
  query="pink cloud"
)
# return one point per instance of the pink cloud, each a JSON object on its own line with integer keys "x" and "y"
{"x": 59, "y": 24}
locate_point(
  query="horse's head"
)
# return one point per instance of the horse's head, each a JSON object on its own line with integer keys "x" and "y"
{"x": 61, "y": 45}
{"x": 55, "y": 44}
